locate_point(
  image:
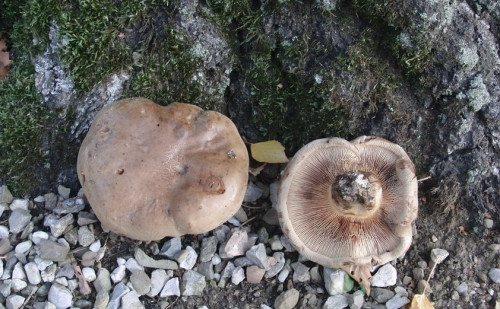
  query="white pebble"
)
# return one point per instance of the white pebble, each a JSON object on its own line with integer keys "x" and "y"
{"x": 60, "y": 296}
{"x": 19, "y": 204}
{"x": 283, "y": 275}
{"x": 95, "y": 246}
{"x": 37, "y": 236}
{"x": 89, "y": 274}
{"x": 33, "y": 273}
{"x": 216, "y": 260}
{"x": 23, "y": 247}
{"x": 118, "y": 274}
{"x": 385, "y": 276}
{"x": 132, "y": 265}
{"x": 14, "y": 301}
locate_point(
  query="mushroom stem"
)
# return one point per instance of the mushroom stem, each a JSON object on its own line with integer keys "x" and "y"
{"x": 357, "y": 193}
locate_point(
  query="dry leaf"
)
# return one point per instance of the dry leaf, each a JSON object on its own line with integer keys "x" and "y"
{"x": 420, "y": 301}
{"x": 5, "y": 62}
{"x": 82, "y": 283}
{"x": 269, "y": 152}
{"x": 361, "y": 274}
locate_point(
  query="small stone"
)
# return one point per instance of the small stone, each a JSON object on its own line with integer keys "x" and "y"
{"x": 271, "y": 217}
{"x": 32, "y": 273}
{"x": 241, "y": 215}
{"x": 279, "y": 257}
{"x": 39, "y": 199}
{"x": 356, "y": 300}
{"x": 286, "y": 243}
{"x": 23, "y": 247}
{"x": 118, "y": 292}
{"x": 18, "y": 220}
{"x": 193, "y": 283}
{"x": 50, "y": 201}
{"x": 494, "y": 274}
{"x": 275, "y": 243}
{"x": 89, "y": 274}
{"x": 186, "y": 258}
{"x": 85, "y": 218}
{"x": 287, "y": 299}
{"x": 216, "y": 260}
{"x": 438, "y": 256}
{"x": 300, "y": 272}
{"x": 221, "y": 232}
{"x": 19, "y": 204}
{"x": 254, "y": 274}
{"x": 58, "y": 227}
{"x": 146, "y": 261}
{"x": 234, "y": 221}
{"x": 242, "y": 262}
{"x": 171, "y": 247}
{"x": 283, "y": 275}
{"x": 262, "y": 235}
{"x": 39, "y": 235}
{"x": 253, "y": 193}
{"x": 336, "y": 302}
{"x": 85, "y": 236}
{"x": 52, "y": 251}
{"x": 171, "y": 288}
{"x": 69, "y": 206}
{"x": 397, "y": 302}
{"x": 385, "y": 276}
{"x": 140, "y": 281}
{"x": 49, "y": 273}
{"x": 132, "y": 265}
{"x": 63, "y": 191}
{"x": 5, "y": 246}
{"x": 380, "y": 295}
{"x": 5, "y": 195}
{"x": 101, "y": 300}
{"x": 208, "y": 248}
{"x": 237, "y": 244}
{"x": 67, "y": 271}
{"x": 14, "y": 301}
{"x": 131, "y": 301}
{"x": 494, "y": 247}
{"x": 4, "y": 231}
{"x": 257, "y": 254}
{"x": 158, "y": 279}
{"x": 118, "y": 273}
{"x": 71, "y": 236}
{"x": 103, "y": 281}
{"x": 488, "y": 223}
{"x": 18, "y": 285}
{"x": 206, "y": 269}
{"x": 315, "y": 274}
{"x": 334, "y": 280}
{"x": 95, "y": 246}
{"x": 401, "y": 291}
{"x": 228, "y": 270}
{"x": 60, "y": 296}
{"x": 238, "y": 275}
{"x": 434, "y": 238}
{"x": 418, "y": 273}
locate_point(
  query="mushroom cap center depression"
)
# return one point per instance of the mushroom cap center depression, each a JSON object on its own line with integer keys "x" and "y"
{"x": 356, "y": 194}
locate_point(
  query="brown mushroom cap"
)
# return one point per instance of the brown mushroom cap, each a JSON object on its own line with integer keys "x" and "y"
{"x": 150, "y": 171}
{"x": 349, "y": 204}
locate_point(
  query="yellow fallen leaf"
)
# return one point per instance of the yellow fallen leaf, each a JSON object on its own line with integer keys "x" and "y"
{"x": 420, "y": 301}
{"x": 269, "y": 152}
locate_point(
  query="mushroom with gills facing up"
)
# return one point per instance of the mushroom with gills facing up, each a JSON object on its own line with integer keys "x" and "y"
{"x": 349, "y": 205}
{"x": 151, "y": 171}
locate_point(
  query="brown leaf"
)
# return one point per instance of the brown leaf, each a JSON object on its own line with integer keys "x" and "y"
{"x": 82, "y": 283}
{"x": 420, "y": 301}
{"x": 268, "y": 152}
{"x": 361, "y": 274}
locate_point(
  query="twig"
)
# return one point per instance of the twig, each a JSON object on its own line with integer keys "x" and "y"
{"x": 431, "y": 273}
{"x": 249, "y": 220}
{"x": 424, "y": 179}
{"x": 28, "y": 298}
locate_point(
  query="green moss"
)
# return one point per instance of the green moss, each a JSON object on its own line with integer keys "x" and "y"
{"x": 22, "y": 119}
{"x": 91, "y": 32}
{"x": 165, "y": 71}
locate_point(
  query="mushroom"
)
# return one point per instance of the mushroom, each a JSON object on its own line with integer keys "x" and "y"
{"x": 349, "y": 205}
{"x": 151, "y": 171}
